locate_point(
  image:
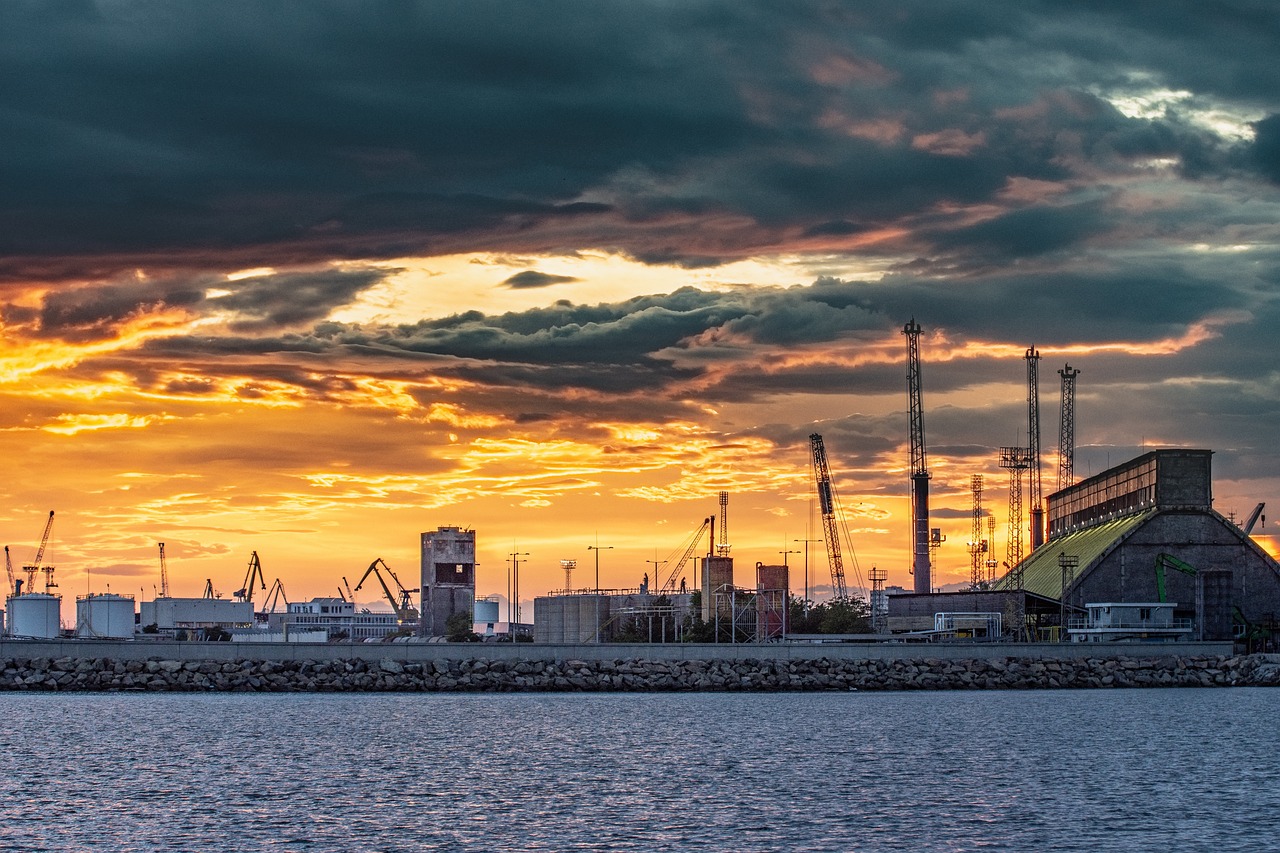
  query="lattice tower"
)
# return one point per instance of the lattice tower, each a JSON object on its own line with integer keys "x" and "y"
{"x": 992, "y": 562}
{"x": 1067, "y": 428}
{"x": 722, "y": 547}
{"x": 827, "y": 506}
{"x": 1016, "y": 460}
{"x": 977, "y": 547}
{"x": 879, "y": 601}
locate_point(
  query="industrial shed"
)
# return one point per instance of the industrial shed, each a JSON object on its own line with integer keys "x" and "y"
{"x": 1107, "y": 533}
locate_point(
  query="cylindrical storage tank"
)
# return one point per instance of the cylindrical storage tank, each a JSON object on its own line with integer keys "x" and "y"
{"x": 104, "y": 615}
{"x": 37, "y": 615}
{"x": 486, "y": 611}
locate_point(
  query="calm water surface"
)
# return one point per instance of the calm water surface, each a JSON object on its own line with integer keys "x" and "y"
{"x": 1168, "y": 770}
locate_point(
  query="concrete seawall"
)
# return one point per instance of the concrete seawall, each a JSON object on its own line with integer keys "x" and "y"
{"x": 533, "y": 668}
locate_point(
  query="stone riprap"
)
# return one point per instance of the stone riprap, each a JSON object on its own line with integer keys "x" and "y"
{"x": 482, "y": 675}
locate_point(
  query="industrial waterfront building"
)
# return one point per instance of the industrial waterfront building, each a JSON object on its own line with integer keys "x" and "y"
{"x": 448, "y": 578}
{"x": 335, "y": 618}
{"x": 171, "y": 616}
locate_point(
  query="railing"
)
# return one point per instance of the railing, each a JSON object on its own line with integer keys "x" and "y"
{"x": 1122, "y": 624}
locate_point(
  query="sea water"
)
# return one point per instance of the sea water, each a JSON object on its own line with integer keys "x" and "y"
{"x": 1167, "y": 770}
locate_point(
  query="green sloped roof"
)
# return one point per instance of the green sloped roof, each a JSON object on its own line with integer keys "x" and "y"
{"x": 1041, "y": 573}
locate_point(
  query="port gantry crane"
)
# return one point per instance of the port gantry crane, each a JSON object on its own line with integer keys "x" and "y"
{"x": 920, "y": 566}
{"x": 827, "y": 503}
{"x": 245, "y": 593}
{"x": 274, "y": 596}
{"x": 36, "y": 563}
{"x": 403, "y": 607}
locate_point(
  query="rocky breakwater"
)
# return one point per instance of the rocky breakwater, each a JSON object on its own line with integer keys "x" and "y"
{"x": 481, "y": 675}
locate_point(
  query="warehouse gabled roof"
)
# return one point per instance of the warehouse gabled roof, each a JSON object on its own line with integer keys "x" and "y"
{"x": 1041, "y": 573}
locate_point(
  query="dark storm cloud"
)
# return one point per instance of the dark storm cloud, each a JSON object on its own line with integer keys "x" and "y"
{"x": 292, "y": 299}
{"x": 533, "y": 278}
{"x": 139, "y": 133}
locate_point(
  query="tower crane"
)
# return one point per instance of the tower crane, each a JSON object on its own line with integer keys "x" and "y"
{"x": 827, "y": 503}
{"x": 919, "y": 465}
{"x": 245, "y": 593}
{"x": 670, "y": 584}
{"x": 403, "y": 607}
{"x": 35, "y": 564}
{"x": 164, "y": 573}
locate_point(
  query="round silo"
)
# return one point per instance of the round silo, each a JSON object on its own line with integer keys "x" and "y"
{"x": 36, "y": 615}
{"x": 486, "y": 611}
{"x": 104, "y": 616}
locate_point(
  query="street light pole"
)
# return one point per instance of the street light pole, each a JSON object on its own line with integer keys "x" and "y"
{"x": 598, "y": 548}
{"x": 806, "y": 571}
{"x": 515, "y": 591}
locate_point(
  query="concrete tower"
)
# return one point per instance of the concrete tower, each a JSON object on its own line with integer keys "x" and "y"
{"x": 448, "y": 577}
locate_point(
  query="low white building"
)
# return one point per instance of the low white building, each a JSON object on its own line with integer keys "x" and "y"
{"x": 337, "y": 617}
{"x": 190, "y": 615}
{"x": 1110, "y": 622}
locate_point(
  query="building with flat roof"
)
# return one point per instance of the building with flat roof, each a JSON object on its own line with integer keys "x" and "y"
{"x": 448, "y": 578}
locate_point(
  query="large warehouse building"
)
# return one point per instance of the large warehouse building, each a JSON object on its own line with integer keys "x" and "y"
{"x": 1146, "y": 531}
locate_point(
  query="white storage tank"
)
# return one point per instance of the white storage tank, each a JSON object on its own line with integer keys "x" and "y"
{"x": 36, "y": 615}
{"x": 104, "y": 615}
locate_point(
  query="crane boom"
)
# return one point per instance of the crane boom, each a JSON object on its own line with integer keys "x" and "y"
{"x": 35, "y": 564}
{"x": 403, "y": 607}
{"x": 245, "y": 593}
{"x": 1253, "y": 518}
{"x": 8, "y": 567}
{"x": 827, "y": 503}
{"x": 670, "y": 584}
{"x": 921, "y": 564}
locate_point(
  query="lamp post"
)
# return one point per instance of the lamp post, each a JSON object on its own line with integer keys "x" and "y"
{"x": 598, "y": 548}
{"x": 513, "y": 591}
{"x": 806, "y": 571}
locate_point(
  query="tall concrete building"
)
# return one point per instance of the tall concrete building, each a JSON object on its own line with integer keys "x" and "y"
{"x": 448, "y": 577}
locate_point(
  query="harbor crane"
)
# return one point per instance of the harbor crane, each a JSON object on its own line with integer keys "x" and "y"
{"x": 275, "y": 596}
{"x": 8, "y": 567}
{"x": 921, "y": 563}
{"x": 36, "y": 563}
{"x": 164, "y": 574}
{"x": 1253, "y": 519}
{"x": 245, "y": 593}
{"x": 403, "y": 607}
{"x": 670, "y": 584}
{"x": 827, "y": 503}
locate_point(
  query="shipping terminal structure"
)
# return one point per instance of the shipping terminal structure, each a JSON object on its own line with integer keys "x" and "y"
{"x": 1137, "y": 552}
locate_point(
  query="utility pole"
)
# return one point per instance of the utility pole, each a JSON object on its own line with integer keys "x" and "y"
{"x": 806, "y": 571}
{"x": 513, "y": 590}
{"x": 597, "y": 548}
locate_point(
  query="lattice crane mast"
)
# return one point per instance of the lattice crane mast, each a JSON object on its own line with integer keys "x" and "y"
{"x": 1067, "y": 428}
{"x": 164, "y": 573}
{"x": 1035, "y": 496}
{"x": 8, "y": 567}
{"x": 36, "y": 563}
{"x": 827, "y": 504}
{"x": 920, "y": 565}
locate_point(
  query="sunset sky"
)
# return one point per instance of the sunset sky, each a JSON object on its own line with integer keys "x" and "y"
{"x": 310, "y": 278}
